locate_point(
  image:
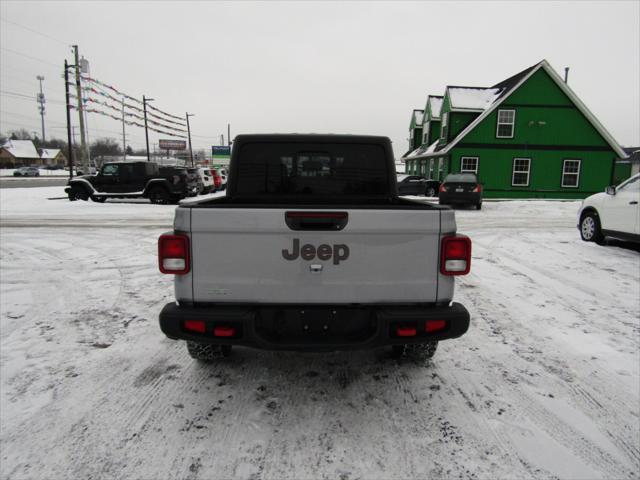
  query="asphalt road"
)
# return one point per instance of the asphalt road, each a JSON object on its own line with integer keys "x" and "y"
{"x": 30, "y": 182}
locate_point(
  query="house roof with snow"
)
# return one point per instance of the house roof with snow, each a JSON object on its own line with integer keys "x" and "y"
{"x": 49, "y": 153}
{"x": 416, "y": 118}
{"x": 486, "y": 100}
{"x": 423, "y": 150}
{"x": 472, "y": 98}
{"x": 435, "y": 105}
{"x": 21, "y": 148}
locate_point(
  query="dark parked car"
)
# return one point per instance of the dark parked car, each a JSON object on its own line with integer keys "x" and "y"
{"x": 416, "y": 185}
{"x": 132, "y": 180}
{"x": 461, "y": 188}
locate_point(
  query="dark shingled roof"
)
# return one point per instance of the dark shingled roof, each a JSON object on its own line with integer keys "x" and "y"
{"x": 512, "y": 81}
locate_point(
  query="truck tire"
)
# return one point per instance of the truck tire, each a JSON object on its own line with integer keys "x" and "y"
{"x": 159, "y": 196}
{"x": 430, "y": 192}
{"x": 415, "y": 351}
{"x": 78, "y": 193}
{"x": 206, "y": 352}
{"x": 590, "y": 228}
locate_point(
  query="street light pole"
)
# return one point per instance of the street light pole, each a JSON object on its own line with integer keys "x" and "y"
{"x": 189, "y": 134}
{"x": 41, "y": 101}
{"x": 146, "y": 128}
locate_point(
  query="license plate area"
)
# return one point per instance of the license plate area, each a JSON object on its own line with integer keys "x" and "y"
{"x": 459, "y": 189}
{"x": 315, "y": 325}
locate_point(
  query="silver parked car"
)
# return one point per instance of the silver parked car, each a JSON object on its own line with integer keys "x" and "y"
{"x": 27, "y": 172}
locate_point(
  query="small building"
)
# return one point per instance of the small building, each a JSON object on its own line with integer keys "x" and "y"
{"x": 529, "y": 136}
{"x": 53, "y": 156}
{"x": 19, "y": 153}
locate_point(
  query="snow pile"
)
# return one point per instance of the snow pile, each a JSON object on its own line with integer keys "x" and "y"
{"x": 473, "y": 98}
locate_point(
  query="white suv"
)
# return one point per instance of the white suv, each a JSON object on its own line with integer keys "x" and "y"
{"x": 207, "y": 179}
{"x": 614, "y": 213}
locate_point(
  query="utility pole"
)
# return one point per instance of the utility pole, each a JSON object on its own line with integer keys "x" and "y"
{"x": 124, "y": 142}
{"x": 221, "y": 139}
{"x": 41, "y": 102}
{"x": 189, "y": 134}
{"x": 229, "y": 134}
{"x": 83, "y": 142}
{"x": 146, "y": 128}
{"x": 66, "y": 91}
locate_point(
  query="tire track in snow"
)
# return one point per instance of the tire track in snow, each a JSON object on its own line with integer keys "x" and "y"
{"x": 488, "y": 309}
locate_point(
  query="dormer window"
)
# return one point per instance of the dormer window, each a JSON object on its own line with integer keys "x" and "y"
{"x": 506, "y": 122}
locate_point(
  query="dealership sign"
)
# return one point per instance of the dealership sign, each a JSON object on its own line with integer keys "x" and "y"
{"x": 173, "y": 144}
{"x": 222, "y": 151}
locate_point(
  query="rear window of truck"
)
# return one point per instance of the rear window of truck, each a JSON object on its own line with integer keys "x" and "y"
{"x": 284, "y": 170}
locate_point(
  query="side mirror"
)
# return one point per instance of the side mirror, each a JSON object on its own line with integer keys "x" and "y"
{"x": 611, "y": 190}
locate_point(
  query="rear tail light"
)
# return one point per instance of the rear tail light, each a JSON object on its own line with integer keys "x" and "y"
{"x": 224, "y": 332}
{"x": 442, "y": 188}
{"x": 173, "y": 254}
{"x": 455, "y": 255}
{"x": 432, "y": 326}
{"x": 194, "y": 326}
{"x": 406, "y": 331}
{"x": 478, "y": 189}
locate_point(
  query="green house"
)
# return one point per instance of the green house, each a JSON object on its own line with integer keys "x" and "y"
{"x": 415, "y": 129}
{"x": 528, "y": 136}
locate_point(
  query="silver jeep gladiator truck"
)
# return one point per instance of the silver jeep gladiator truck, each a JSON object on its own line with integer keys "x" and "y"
{"x": 312, "y": 249}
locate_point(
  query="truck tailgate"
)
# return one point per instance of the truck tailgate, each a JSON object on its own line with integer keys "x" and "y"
{"x": 252, "y": 255}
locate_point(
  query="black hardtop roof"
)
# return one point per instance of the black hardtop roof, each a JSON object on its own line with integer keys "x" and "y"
{"x": 310, "y": 137}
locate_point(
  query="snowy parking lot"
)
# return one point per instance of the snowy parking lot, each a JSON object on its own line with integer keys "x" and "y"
{"x": 544, "y": 385}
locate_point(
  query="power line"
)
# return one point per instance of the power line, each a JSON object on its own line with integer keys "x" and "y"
{"x": 15, "y": 52}
{"x": 28, "y": 99}
{"x": 34, "y": 31}
{"x": 26, "y": 95}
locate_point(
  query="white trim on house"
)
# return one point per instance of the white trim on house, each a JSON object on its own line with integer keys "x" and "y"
{"x": 512, "y": 124}
{"x": 564, "y": 87}
{"x": 514, "y": 171}
{"x": 444, "y": 124}
{"x": 564, "y": 172}
{"x": 462, "y": 169}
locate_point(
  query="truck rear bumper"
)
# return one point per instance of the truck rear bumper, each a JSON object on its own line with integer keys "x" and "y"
{"x": 314, "y": 327}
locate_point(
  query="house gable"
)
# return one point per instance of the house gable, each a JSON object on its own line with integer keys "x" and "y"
{"x": 544, "y": 116}
{"x": 553, "y": 82}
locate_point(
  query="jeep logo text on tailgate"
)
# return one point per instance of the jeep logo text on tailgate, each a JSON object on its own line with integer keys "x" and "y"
{"x": 323, "y": 252}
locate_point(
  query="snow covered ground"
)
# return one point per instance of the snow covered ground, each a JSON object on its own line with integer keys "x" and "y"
{"x": 544, "y": 385}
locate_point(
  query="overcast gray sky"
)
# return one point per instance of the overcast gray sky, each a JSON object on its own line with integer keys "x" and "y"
{"x": 314, "y": 67}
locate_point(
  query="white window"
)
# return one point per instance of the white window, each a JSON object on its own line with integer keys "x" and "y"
{"x": 469, "y": 164}
{"x": 506, "y": 121}
{"x": 570, "y": 173}
{"x": 431, "y": 162}
{"x": 521, "y": 170}
{"x": 424, "y": 137}
{"x": 443, "y": 130}
{"x": 440, "y": 168}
